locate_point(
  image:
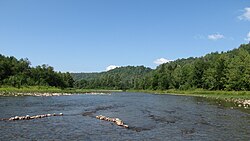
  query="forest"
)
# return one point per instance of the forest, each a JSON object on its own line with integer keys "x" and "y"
{"x": 215, "y": 71}
{"x": 17, "y": 73}
{"x": 121, "y": 78}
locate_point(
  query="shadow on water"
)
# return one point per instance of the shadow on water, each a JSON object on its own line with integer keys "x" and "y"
{"x": 139, "y": 129}
{"x": 167, "y": 120}
{"x": 168, "y": 117}
{"x": 187, "y": 131}
{"x": 91, "y": 112}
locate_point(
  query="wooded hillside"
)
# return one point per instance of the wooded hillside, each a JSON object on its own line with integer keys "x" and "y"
{"x": 215, "y": 71}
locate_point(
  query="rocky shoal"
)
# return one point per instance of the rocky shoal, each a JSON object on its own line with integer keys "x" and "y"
{"x": 117, "y": 121}
{"x": 27, "y": 117}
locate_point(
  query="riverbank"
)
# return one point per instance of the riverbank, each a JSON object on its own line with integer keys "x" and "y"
{"x": 202, "y": 93}
{"x": 241, "y": 98}
{"x": 48, "y": 91}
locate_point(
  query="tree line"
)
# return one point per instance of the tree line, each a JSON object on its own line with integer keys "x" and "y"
{"x": 17, "y": 73}
{"x": 215, "y": 71}
{"x": 120, "y": 78}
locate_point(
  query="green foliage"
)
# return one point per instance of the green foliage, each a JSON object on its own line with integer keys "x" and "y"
{"x": 120, "y": 78}
{"x": 30, "y": 90}
{"x": 239, "y": 71}
{"x": 19, "y": 73}
{"x": 215, "y": 71}
{"x": 85, "y": 76}
{"x": 218, "y": 94}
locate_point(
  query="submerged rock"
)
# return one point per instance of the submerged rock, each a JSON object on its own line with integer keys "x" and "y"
{"x": 117, "y": 121}
{"x": 126, "y": 126}
{"x": 27, "y": 117}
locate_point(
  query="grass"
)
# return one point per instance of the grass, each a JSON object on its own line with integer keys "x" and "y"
{"x": 226, "y": 98}
{"x": 202, "y": 93}
{"x": 7, "y": 90}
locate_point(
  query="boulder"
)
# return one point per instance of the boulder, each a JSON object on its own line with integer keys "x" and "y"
{"x": 119, "y": 122}
{"x": 126, "y": 126}
{"x": 102, "y": 117}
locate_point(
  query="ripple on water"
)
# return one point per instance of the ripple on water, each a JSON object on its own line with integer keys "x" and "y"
{"x": 150, "y": 117}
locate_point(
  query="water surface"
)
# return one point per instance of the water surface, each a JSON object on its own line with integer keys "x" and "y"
{"x": 150, "y": 117}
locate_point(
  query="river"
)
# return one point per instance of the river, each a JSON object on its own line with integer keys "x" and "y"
{"x": 149, "y": 116}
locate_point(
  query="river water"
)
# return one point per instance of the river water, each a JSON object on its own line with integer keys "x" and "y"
{"x": 149, "y": 116}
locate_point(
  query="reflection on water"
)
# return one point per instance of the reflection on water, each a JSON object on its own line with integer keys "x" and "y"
{"x": 150, "y": 117}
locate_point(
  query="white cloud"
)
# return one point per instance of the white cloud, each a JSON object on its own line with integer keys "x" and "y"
{"x": 161, "y": 61}
{"x": 248, "y": 37}
{"x": 110, "y": 67}
{"x": 215, "y": 37}
{"x": 245, "y": 15}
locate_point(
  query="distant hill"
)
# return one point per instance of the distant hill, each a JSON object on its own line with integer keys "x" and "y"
{"x": 85, "y": 76}
{"x": 118, "y": 78}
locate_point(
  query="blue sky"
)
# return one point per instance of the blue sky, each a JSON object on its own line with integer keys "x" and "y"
{"x": 90, "y": 35}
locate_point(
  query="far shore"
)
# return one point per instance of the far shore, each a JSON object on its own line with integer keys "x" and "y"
{"x": 201, "y": 93}
{"x": 51, "y": 94}
{"x": 49, "y": 91}
{"x": 240, "y": 97}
